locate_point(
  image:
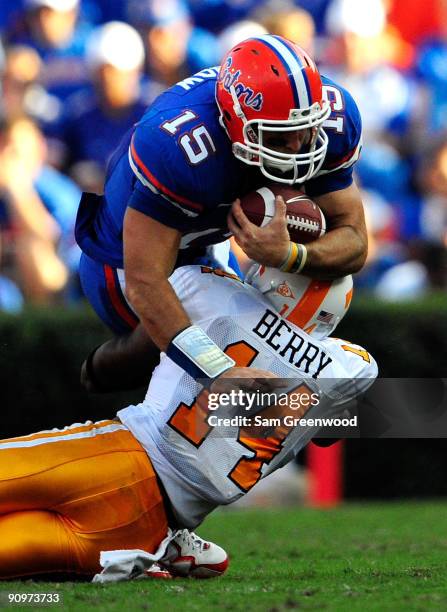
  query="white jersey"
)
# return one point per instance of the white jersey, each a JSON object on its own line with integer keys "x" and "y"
{"x": 202, "y": 466}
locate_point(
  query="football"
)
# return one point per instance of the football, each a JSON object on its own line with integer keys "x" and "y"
{"x": 305, "y": 219}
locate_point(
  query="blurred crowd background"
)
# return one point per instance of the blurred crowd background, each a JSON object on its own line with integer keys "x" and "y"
{"x": 76, "y": 74}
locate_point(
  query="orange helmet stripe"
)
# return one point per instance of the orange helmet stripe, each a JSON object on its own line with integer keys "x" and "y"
{"x": 309, "y": 303}
{"x": 349, "y": 298}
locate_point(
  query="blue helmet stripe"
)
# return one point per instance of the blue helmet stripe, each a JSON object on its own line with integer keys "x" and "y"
{"x": 294, "y": 68}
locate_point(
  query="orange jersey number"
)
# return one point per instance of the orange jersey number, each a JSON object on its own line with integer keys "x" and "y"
{"x": 360, "y": 352}
{"x": 191, "y": 421}
{"x": 247, "y": 471}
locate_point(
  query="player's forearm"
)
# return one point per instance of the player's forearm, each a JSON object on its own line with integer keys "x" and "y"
{"x": 340, "y": 252}
{"x": 150, "y": 252}
{"x": 343, "y": 249}
{"x": 159, "y": 309}
{"x": 164, "y": 319}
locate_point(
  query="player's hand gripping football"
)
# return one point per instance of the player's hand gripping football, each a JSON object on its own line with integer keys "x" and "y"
{"x": 247, "y": 379}
{"x": 266, "y": 245}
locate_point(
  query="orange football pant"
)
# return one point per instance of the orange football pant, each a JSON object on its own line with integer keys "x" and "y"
{"x": 66, "y": 495}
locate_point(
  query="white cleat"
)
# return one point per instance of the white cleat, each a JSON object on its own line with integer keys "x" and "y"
{"x": 188, "y": 555}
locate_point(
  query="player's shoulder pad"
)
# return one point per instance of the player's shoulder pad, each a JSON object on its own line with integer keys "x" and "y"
{"x": 343, "y": 127}
{"x": 174, "y": 145}
{"x": 201, "y": 287}
{"x": 194, "y": 83}
{"x": 356, "y": 360}
{"x": 156, "y": 161}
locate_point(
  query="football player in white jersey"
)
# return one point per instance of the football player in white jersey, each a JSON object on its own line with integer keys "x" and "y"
{"x": 66, "y": 495}
{"x": 202, "y": 466}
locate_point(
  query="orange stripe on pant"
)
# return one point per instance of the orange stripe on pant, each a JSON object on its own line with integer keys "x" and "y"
{"x": 66, "y": 495}
{"x": 117, "y": 298}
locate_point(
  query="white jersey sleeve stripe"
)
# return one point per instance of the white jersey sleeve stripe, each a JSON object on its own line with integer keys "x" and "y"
{"x": 347, "y": 163}
{"x": 64, "y": 436}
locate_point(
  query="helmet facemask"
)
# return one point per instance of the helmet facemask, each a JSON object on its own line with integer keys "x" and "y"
{"x": 300, "y": 166}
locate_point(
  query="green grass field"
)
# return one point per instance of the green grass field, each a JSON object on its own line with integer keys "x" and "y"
{"x": 358, "y": 557}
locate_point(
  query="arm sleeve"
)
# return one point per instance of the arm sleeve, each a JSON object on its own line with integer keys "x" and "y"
{"x": 154, "y": 205}
{"x": 343, "y": 151}
{"x": 158, "y": 191}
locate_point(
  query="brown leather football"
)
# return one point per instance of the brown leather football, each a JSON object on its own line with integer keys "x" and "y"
{"x": 305, "y": 219}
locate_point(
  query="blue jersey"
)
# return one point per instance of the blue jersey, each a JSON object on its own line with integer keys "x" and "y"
{"x": 176, "y": 166}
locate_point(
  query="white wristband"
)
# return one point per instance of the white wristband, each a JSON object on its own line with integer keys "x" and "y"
{"x": 197, "y": 347}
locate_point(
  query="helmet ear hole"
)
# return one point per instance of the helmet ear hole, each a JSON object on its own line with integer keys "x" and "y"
{"x": 306, "y": 59}
{"x": 227, "y": 115}
{"x": 275, "y": 70}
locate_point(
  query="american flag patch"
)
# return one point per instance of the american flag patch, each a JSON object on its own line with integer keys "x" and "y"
{"x": 325, "y": 317}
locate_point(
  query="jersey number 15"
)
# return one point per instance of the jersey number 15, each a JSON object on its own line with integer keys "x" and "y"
{"x": 196, "y": 144}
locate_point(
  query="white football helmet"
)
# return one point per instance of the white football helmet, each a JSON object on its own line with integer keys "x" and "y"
{"x": 315, "y": 306}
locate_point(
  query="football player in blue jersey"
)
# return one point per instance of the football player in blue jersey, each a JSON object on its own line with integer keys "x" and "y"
{"x": 171, "y": 195}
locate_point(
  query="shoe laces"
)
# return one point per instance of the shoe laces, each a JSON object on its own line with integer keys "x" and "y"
{"x": 192, "y": 539}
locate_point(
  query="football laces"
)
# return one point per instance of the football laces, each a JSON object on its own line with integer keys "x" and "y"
{"x": 307, "y": 225}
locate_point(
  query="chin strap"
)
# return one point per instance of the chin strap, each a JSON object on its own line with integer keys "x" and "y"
{"x": 241, "y": 115}
{"x": 236, "y": 105}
